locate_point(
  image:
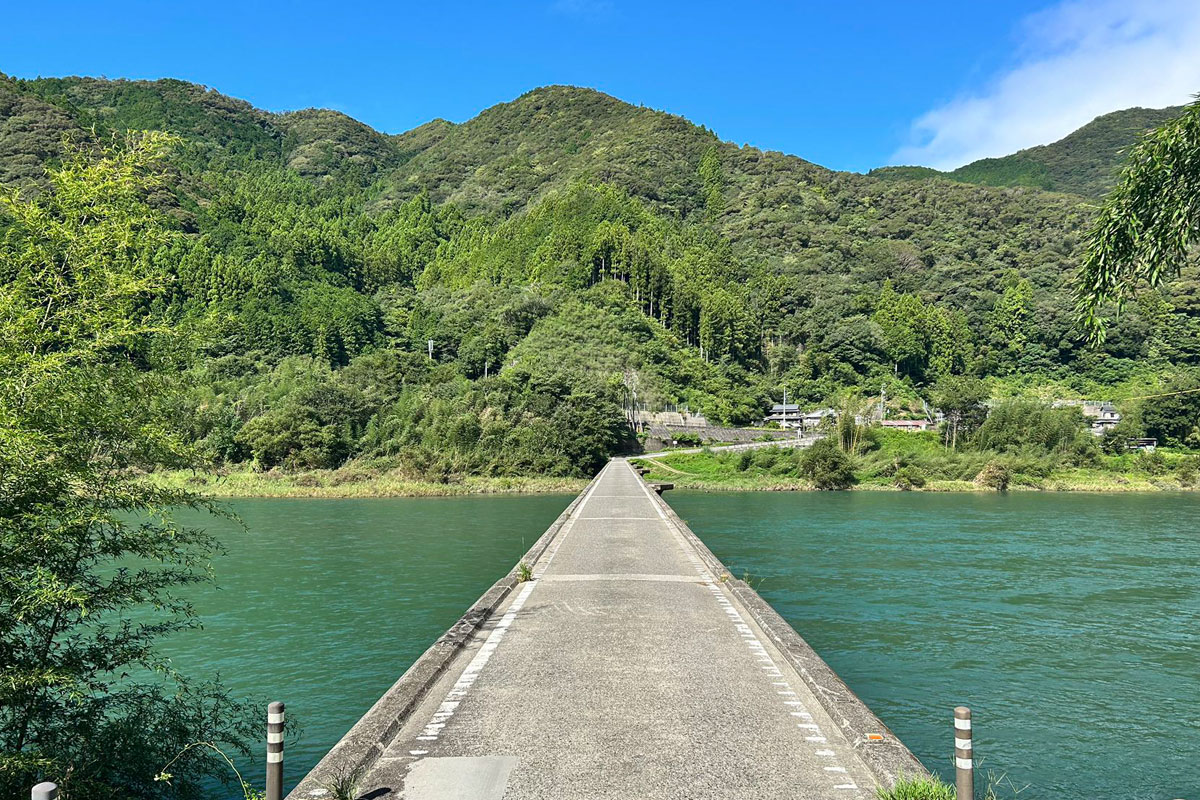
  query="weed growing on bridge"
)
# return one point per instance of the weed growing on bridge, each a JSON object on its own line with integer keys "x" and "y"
{"x": 752, "y": 581}
{"x": 524, "y": 572}
{"x": 346, "y": 784}
{"x": 917, "y": 788}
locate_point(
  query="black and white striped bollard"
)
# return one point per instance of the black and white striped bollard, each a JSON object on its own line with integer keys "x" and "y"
{"x": 964, "y": 769}
{"x": 45, "y": 791}
{"x": 275, "y": 751}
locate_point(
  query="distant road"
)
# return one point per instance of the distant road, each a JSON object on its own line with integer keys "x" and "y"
{"x": 803, "y": 441}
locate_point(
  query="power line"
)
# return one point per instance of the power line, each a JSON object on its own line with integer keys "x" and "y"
{"x": 1164, "y": 394}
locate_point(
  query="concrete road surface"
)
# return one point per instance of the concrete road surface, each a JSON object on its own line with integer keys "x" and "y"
{"x": 625, "y": 669}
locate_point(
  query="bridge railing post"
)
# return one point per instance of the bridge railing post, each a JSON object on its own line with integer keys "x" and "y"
{"x": 45, "y": 791}
{"x": 275, "y": 751}
{"x": 964, "y": 765}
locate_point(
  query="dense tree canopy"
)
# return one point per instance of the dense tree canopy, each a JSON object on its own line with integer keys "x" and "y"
{"x": 1146, "y": 230}
{"x": 455, "y": 297}
{"x": 84, "y": 698}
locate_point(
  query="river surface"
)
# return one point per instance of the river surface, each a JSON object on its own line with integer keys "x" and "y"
{"x": 1069, "y": 623}
{"x": 323, "y": 604}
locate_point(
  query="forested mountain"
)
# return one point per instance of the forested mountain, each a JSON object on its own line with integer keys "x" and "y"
{"x": 1085, "y": 162}
{"x": 556, "y": 254}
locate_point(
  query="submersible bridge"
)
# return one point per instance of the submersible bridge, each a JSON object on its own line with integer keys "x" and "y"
{"x": 620, "y": 659}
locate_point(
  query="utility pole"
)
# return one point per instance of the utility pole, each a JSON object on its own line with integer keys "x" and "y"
{"x": 882, "y": 402}
{"x": 429, "y": 343}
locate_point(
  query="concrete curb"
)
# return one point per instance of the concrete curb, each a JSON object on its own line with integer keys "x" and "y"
{"x": 887, "y": 758}
{"x": 364, "y": 743}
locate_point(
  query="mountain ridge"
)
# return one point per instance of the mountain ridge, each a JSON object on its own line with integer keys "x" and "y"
{"x": 1083, "y": 162}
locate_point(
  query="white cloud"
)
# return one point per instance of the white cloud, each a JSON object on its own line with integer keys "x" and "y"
{"x": 1077, "y": 60}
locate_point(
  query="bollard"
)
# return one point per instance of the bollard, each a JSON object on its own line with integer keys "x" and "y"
{"x": 964, "y": 769}
{"x": 275, "y": 751}
{"x": 45, "y": 791}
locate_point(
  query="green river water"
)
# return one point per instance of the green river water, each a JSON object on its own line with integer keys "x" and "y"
{"x": 1069, "y": 623}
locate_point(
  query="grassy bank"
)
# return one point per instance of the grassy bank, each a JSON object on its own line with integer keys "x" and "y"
{"x": 918, "y": 462}
{"x": 892, "y": 461}
{"x": 348, "y": 482}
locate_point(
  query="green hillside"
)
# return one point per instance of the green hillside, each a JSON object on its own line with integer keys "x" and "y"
{"x": 557, "y": 253}
{"x": 1084, "y": 162}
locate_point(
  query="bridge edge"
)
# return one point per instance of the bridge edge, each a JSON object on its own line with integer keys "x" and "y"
{"x": 369, "y": 737}
{"x": 888, "y": 758}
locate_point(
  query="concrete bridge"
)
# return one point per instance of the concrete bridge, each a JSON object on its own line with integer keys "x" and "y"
{"x": 631, "y": 665}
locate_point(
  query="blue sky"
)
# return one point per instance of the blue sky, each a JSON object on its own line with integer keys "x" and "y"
{"x": 850, "y": 85}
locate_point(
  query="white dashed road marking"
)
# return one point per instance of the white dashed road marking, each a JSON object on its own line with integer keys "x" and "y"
{"x": 756, "y": 647}
{"x": 433, "y": 729}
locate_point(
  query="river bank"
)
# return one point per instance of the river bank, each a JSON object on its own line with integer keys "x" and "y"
{"x": 901, "y": 469}
{"x": 334, "y": 484}
{"x": 348, "y": 482}
{"x": 1081, "y": 483}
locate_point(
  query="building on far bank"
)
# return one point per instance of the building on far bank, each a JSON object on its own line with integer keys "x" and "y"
{"x": 910, "y": 425}
{"x": 785, "y": 415}
{"x": 1104, "y": 415}
{"x": 1101, "y": 414}
{"x": 790, "y": 416}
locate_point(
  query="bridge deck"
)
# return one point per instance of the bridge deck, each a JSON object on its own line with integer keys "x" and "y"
{"x": 625, "y": 669}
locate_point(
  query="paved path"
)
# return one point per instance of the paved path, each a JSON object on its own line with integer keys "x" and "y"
{"x": 623, "y": 670}
{"x": 800, "y": 442}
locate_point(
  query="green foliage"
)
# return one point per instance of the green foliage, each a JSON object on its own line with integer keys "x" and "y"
{"x": 1187, "y": 471}
{"x": 827, "y": 466}
{"x": 713, "y": 180}
{"x": 1144, "y": 232}
{"x": 910, "y": 477}
{"x": 1018, "y": 426}
{"x": 85, "y": 699}
{"x": 918, "y": 788}
{"x": 962, "y": 400}
{"x": 901, "y": 318}
{"x": 1152, "y": 463}
{"x": 1174, "y": 417}
{"x": 994, "y": 475}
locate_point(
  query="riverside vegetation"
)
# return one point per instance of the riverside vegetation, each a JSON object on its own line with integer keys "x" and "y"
{"x": 890, "y": 460}
{"x": 1016, "y": 444}
{"x": 193, "y": 284}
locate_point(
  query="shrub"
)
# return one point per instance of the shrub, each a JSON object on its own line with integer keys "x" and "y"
{"x": 905, "y": 788}
{"x": 1173, "y": 417}
{"x": 1151, "y": 462}
{"x": 909, "y": 478}
{"x": 1187, "y": 471}
{"x": 1115, "y": 439}
{"x": 283, "y": 438}
{"x": 766, "y": 457}
{"x": 827, "y": 466}
{"x": 993, "y": 476}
